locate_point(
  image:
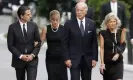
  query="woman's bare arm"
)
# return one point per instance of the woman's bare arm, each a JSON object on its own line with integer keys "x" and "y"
{"x": 101, "y": 49}
{"x": 43, "y": 34}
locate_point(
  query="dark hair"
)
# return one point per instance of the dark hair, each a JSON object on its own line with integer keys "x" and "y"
{"x": 21, "y": 10}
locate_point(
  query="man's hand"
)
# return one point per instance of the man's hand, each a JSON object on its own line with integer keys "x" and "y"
{"x": 68, "y": 63}
{"x": 24, "y": 57}
{"x": 94, "y": 63}
{"x": 116, "y": 56}
{"x": 30, "y": 58}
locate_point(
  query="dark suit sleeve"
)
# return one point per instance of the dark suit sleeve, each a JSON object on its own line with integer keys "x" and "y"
{"x": 11, "y": 42}
{"x": 124, "y": 21}
{"x": 90, "y": 13}
{"x": 65, "y": 41}
{"x": 131, "y": 26}
{"x": 94, "y": 43}
{"x": 37, "y": 39}
{"x": 73, "y": 15}
{"x": 102, "y": 13}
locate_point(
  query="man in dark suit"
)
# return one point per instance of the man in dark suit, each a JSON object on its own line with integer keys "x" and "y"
{"x": 131, "y": 27}
{"x": 90, "y": 12}
{"x": 119, "y": 9}
{"x": 21, "y": 37}
{"x": 80, "y": 44}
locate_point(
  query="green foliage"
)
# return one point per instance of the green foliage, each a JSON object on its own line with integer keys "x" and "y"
{"x": 42, "y": 7}
{"x": 96, "y": 4}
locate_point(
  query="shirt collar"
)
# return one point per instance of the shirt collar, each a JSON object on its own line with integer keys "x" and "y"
{"x": 21, "y": 23}
{"x": 81, "y": 20}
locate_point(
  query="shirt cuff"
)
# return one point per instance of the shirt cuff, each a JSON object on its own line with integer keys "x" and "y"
{"x": 33, "y": 55}
{"x": 20, "y": 56}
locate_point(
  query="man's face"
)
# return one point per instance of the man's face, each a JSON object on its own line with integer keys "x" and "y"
{"x": 80, "y": 12}
{"x": 27, "y": 16}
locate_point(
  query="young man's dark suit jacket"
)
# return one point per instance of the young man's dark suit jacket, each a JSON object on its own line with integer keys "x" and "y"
{"x": 90, "y": 13}
{"x": 121, "y": 12}
{"x": 76, "y": 45}
{"x": 17, "y": 43}
{"x": 131, "y": 25}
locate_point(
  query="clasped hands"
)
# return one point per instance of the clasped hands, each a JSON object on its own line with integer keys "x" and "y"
{"x": 27, "y": 58}
{"x": 69, "y": 63}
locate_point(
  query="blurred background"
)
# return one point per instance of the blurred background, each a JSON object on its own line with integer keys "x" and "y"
{"x": 40, "y": 12}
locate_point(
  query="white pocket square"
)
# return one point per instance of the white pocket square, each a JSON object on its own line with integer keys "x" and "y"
{"x": 89, "y": 31}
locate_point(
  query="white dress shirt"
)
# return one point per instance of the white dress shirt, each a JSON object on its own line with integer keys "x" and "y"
{"x": 114, "y": 7}
{"x": 21, "y": 24}
{"x": 83, "y": 22}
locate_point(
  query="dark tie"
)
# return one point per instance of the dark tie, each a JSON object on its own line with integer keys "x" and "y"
{"x": 24, "y": 32}
{"x": 82, "y": 28}
{"x": 25, "y": 36}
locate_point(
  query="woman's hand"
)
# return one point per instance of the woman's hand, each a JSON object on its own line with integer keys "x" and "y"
{"x": 102, "y": 68}
{"x": 116, "y": 56}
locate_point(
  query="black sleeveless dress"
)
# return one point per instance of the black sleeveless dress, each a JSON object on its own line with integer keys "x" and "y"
{"x": 54, "y": 50}
{"x": 114, "y": 69}
{"x": 54, "y": 63}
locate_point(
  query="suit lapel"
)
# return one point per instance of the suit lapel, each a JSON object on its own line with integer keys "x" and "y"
{"x": 76, "y": 25}
{"x": 87, "y": 26}
{"x": 118, "y": 9}
{"x": 109, "y": 7}
{"x": 28, "y": 29}
{"x": 20, "y": 31}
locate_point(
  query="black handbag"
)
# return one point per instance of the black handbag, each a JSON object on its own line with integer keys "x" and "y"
{"x": 120, "y": 48}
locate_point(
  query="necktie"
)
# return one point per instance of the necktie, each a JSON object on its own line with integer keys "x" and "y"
{"x": 25, "y": 36}
{"x": 82, "y": 28}
{"x": 24, "y": 32}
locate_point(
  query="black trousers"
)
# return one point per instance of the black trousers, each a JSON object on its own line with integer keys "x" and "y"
{"x": 31, "y": 70}
{"x": 81, "y": 68}
{"x": 56, "y": 70}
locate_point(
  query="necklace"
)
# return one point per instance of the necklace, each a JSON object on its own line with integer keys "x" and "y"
{"x": 54, "y": 30}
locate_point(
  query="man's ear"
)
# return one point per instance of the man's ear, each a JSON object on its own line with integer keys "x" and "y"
{"x": 21, "y": 16}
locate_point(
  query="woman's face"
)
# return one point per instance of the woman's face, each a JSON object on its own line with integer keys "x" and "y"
{"x": 112, "y": 23}
{"x": 55, "y": 20}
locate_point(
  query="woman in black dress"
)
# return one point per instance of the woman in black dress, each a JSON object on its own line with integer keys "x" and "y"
{"x": 55, "y": 66}
{"x": 112, "y": 45}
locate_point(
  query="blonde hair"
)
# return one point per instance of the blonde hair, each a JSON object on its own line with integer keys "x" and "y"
{"x": 107, "y": 19}
{"x": 54, "y": 12}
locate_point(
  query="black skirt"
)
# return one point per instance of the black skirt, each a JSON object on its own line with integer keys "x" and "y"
{"x": 113, "y": 71}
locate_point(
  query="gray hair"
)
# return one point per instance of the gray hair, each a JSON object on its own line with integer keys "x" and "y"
{"x": 107, "y": 19}
{"x": 54, "y": 12}
{"x": 82, "y": 4}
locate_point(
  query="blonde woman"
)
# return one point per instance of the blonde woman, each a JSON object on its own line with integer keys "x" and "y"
{"x": 111, "y": 48}
{"x": 55, "y": 66}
